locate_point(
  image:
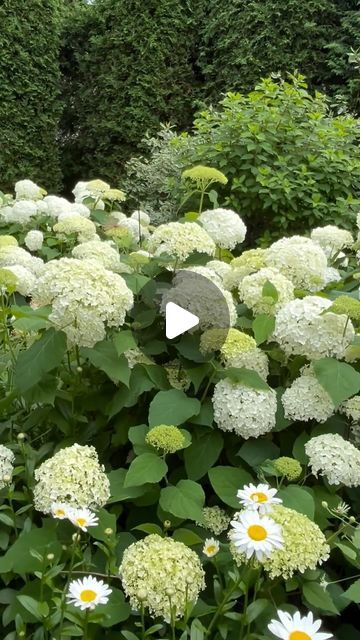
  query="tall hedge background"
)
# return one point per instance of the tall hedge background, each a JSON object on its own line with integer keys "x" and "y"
{"x": 83, "y": 81}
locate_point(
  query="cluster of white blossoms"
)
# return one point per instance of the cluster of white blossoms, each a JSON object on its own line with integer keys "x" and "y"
{"x": 248, "y": 262}
{"x": 302, "y": 328}
{"x": 248, "y": 412}
{"x": 28, "y": 190}
{"x": 180, "y": 240}
{"x": 54, "y": 207}
{"x": 69, "y": 224}
{"x": 351, "y": 408}
{"x": 103, "y": 253}
{"x": 222, "y": 269}
{"x": 34, "y": 240}
{"x": 24, "y": 267}
{"x": 6, "y": 465}
{"x": 162, "y": 575}
{"x": 224, "y": 226}
{"x": 332, "y": 239}
{"x": 74, "y": 477}
{"x": 84, "y": 299}
{"x": 332, "y": 456}
{"x": 252, "y": 291}
{"x": 306, "y": 399}
{"x": 240, "y": 350}
{"x": 301, "y": 260}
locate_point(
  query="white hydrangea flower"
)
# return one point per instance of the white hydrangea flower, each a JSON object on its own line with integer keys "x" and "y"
{"x": 119, "y": 216}
{"x": 301, "y": 260}
{"x": 161, "y": 574}
{"x": 331, "y": 275}
{"x": 180, "y": 240}
{"x": 79, "y": 209}
{"x": 222, "y": 269}
{"x": 93, "y": 188}
{"x": 240, "y": 350}
{"x": 74, "y": 477}
{"x": 307, "y": 400}
{"x": 84, "y": 299}
{"x": 138, "y": 232}
{"x": 302, "y": 328}
{"x": 248, "y": 262}
{"x": 25, "y": 279}
{"x": 332, "y": 239}
{"x": 251, "y": 290}
{"x": 55, "y": 206}
{"x": 335, "y": 458}
{"x": 68, "y": 224}
{"x": 11, "y": 256}
{"x": 6, "y": 465}
{"x": 141, "y": 217}
{"x": 248, "y": 412}
{"x": 21, "y": 212}
{"x": 224, "y": 226}
{"x": 28, "y": 190}
{"x": 102, "y": 252}
{"x": 34, "y": 240}
{"x": 351, "y": 408}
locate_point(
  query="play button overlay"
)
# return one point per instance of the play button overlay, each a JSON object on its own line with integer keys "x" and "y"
{"x": 178, "y": 320}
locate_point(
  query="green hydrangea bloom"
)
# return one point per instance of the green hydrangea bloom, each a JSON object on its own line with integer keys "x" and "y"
{"x": 347, "y": 306}
{"x": 8, "y": 241}
{"x": 203, "y": 176}
{"x": 288, "y": 467}
{"x": 166, "y": 438}
{"x": 215, "y": 519}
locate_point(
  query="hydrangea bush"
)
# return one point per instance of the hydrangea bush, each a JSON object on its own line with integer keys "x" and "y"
{"x": 197, "y": 488}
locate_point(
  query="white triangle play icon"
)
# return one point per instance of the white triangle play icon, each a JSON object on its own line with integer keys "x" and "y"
{"x": 178, "y": 320}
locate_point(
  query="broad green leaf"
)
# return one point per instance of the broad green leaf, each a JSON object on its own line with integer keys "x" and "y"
{"x": 263, "y": 326}
{"x": 118, "y": 491}
{"x": 270, "y": 291}
{"x": 353, "y": 592}
{"x": 226, "y": 482}
{"x": 105, "y": 357}
{"x": 186, "y": 500}
{"x": 247, "y": 377}
{"x": 37, "y": 609}
{"x": 298, "y": 498}
{"x": 149, "y": 527}
{"x": 172, "y": 407}
{"x": 254, "y": 452}
{"x": 116, "y": 610}
{"x": 197, "y": 631}
{"x": 124, "y": 340}
{"x": 44, "y": 355}
{"x": 146, "y": 468}
{"x": 340, "y": 380}
{"x": 18, "y": 557}
{"x": 203, "y": 453}
{"x": 187, "y": 536}
{"x": 318, "y": 597}
{"x": 28, "y": 319}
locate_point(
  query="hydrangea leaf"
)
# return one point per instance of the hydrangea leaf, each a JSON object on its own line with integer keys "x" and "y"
{"x": 43, "y": 356}
{"x": 226, "y": 481}
{"x": 147, "y": 467}
{"x": 186, "y": 500}
{"x": 172, "y": 407}
{"x": 340, "y": 380}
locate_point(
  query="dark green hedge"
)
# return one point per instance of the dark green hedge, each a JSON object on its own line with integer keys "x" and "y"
{"x": 243, "y": 40}
{"x": 128, "y": 67}
{"x": 30, "y": 103}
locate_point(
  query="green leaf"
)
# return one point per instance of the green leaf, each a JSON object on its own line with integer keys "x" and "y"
{"x": 28, "y": 319}
{"x": 203, "y": 453}
{"x": 263, "y": 326}
{"x": 117, "y": 490}
{"x": 18, "y": 557}
{"x": 187, "y": 537}
{"x": 33, "y": 606}
{"x": 353, "y": 592}
{"x": 124, "y": 340}
{"x": 254, "y": 452}
{"x": 270, "y": 291}
{"x": 116, "y": 610}
{"x": 247, "y": 377}
{"x": 298, "y": 498}
{"x": 226, "y": 482}
{"x": 318, "y": 597}
{"x": 185, "y": 501}
{"x": 43, "y": 356}
{"x": 104, "y": 356}
{"x": 172, "y": 407}
{"x": 147, "y": 467}
{"x": 197, "y": 631}
{"x": 149, "y": 527}
{"x": 340, "y": 380}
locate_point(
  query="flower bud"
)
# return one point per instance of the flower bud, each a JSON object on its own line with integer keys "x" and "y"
{"x": 352, "y": 520}
{"x": 324, "y": 504}
{"x": 79, "y": 369}
{"x": 21, "y": 436}
{"x": 170, "y": 592}
{"x": 109, "y": 531}
{"x": 167, "y": 524}
{"x": 141, "y": 595}
{"x": 7, "y": 479}
{"x": 50, "y": 556}
{"x": 75, "y": 537}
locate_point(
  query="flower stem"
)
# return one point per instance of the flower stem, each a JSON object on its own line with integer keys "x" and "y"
{"x": 86, "y": 622}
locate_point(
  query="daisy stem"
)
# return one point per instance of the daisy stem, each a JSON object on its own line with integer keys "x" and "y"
{"x": 221, "y": 606}
{"x": 86, "y": 622}
{"x": 243, "y": 617}
{"x": 63, "y": 598}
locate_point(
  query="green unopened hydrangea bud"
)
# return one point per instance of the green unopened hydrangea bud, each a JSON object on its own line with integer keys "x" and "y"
{"x": 8, "y": 280}
{"x": 50, "y": 557}
{"x": 203, "y": 176}
{"x": 347, "y": 306}
{"x": 288, "y": 467}
{"x": 215, "y": 519}
{"x": 166, "y": 438}
{"x": 8, "y": 241}
{"x": 21, "y": 436}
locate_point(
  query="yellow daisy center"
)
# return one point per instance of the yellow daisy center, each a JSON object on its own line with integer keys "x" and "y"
{"x": 259, "y": 497}
{"x": 80, "y": 521}
{"x": 257, "y": 532}
{"x": 211, "y": 548}
{"x": 59, "y": 512}
{"x": 299, "y": 635}
{"x": 88, "y": 595}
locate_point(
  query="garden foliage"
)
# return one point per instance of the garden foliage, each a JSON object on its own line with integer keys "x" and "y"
{"x": 30, "y": 105}
{"x": 124, "y": 456}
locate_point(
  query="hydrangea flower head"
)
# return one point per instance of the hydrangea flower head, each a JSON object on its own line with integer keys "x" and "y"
{"x": 166, "y": 438}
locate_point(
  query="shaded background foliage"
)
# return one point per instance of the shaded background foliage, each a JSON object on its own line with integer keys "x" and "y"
{"x": 126, "y": 67}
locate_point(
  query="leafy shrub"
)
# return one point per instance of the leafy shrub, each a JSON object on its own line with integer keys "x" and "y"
{"x": 30, "y": 103}
{"x": 124, "y": 455}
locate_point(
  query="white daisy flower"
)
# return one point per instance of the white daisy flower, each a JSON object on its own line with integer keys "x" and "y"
{"x": 211, "y": 547}
{"x": 260, "y": 497}
{"x": 297, "y": 628}
{"x": 60, "y": 510}
{"x": 88, "y": 593}
{"x": 257, "y": 535}
{"x": 83, "y": 518}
